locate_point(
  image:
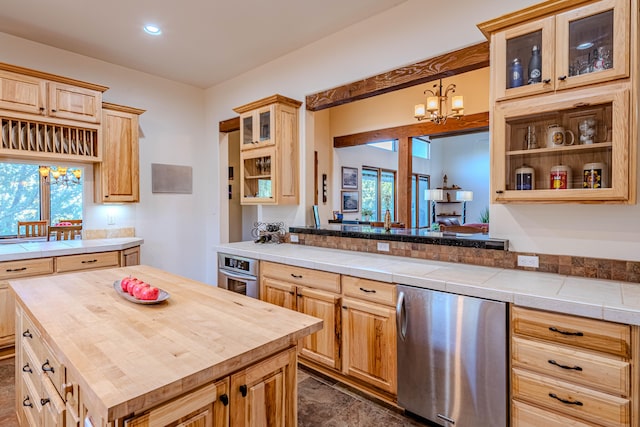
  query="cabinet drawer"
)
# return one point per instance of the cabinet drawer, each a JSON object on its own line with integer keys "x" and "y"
{"x": 591, "y": 334}
{"x": 87, "y": 261}
{"x": 25, "y": 268}
{"x": 605, "y": 373}
{"x": 31, "y": 339}
{"x": 52, "y": 369}
{"x": 570, "y": 399}
{"x": 524, "y": 415}
{"x": 370, "y": 290}
{"x": 302, "y": 276}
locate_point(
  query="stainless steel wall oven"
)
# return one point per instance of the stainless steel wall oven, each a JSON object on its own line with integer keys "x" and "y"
{"x": 238, "y": 274}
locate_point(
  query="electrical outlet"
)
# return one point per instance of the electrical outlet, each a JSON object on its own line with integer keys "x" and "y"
{"x": 528, "y": 261}
{"x": 111, "y": 219}
{"x": 293, "y": 238}
{"x": 383, "y": 247}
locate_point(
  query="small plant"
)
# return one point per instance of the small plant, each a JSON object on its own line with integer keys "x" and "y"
{"x": 366, "y": 213}
{"x": 484, "y": 216}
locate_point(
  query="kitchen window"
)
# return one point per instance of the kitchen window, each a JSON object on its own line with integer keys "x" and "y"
{"x": 378, "y": 192}
{"x": 26, "y": 196}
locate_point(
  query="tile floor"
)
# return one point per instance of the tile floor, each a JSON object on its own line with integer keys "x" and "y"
{"x": 321, "y": 402}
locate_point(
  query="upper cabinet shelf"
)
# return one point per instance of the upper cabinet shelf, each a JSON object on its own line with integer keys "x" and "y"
{"x": 563, "y": 74}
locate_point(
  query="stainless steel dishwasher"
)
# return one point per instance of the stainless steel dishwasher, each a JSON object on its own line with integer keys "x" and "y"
{"x": 452, "y": 358}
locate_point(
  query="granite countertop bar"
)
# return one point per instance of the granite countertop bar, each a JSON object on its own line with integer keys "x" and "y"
{"x": 409, "y": 235}
{"x": 44, "y": 249}
{"x": 596, "y": 298}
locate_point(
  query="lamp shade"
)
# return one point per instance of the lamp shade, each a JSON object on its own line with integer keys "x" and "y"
{"x": 419, "y": 111}
{"x": 464, "y": 196}
{"x": 457, "y": 103}
{"x": 437, "y": 195}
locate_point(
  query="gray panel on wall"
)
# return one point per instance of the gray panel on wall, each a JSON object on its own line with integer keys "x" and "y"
{"x": 171, "y": 179}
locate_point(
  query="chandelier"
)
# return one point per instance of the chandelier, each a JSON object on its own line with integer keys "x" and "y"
{"x": 436, "y": 109}
{"x": 60, "y": 175}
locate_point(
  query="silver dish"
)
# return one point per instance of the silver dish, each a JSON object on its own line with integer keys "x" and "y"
{"x": 162, "y": 295}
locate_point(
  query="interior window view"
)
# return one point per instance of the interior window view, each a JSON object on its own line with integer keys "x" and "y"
{"x": 298, "y": 214}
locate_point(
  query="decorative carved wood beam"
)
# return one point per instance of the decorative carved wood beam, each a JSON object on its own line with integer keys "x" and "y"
{"x": 452, "y": 63}
{"x": 466, "y": 124}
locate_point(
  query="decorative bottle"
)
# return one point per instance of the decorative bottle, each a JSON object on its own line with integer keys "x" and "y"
{"x": 535, "y": 66}
{"x": 516, "y": 78}
{"x": 387, "y": 220}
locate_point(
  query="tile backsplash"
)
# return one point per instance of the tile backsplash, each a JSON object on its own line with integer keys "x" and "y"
{"x": 107, "y": 233}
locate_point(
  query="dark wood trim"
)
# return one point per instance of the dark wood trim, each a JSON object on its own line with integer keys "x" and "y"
{"x": 403, "y": 180}
{"x": 452, "y": 63}
{"x": 229, "y": 125}
{"x": 466, "y": 124}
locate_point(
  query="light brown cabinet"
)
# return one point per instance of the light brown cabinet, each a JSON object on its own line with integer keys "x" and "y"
{"x": 269, "y": 161}
{"x": 312, "y": 292}
{"x": 117, "y": 176}
{"x": 576, "y": 370}
{"x": 565, "y": 132}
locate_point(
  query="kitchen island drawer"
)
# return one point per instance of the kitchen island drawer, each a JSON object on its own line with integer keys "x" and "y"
{"x": 592, "y": 334}
{"x": 370, "y": 290}
{"x": 24, "y": 268}
{"x": 87, "y": 261}
{"x": 531, "y": 416}
{"x": 302, "y": 276}
{"x": 609, "y": 374}
{"x": 570, "y": 399}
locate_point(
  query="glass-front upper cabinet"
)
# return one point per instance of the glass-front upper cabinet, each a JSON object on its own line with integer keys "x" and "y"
{"x": 585, "y": 45}
{"x": 566, "y": 147}
{"x": 257, "y": 177}
{"x": 256, "y": 128}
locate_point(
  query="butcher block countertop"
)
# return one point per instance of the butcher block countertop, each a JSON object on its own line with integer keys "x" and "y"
{"x": 43, "y": 249}
{"x": 596, "y": 298}
{"x": 129, "y": 356}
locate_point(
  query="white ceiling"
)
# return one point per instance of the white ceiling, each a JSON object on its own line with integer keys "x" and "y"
{"x": 204, "y": 42}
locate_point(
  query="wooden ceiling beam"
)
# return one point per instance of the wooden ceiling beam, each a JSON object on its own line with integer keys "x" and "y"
{"x": 452, "y": 63}
{"x": 229, "y": 125}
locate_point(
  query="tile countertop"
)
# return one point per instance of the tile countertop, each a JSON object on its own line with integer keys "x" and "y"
{"x": 595, "y": 298}
{"x": 43, "y": 249}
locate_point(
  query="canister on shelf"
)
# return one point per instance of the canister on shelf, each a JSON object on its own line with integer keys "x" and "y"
{"x": 560, "y": 177}
{"x": 525, "y": 178}
{"x": 594, "y": 175}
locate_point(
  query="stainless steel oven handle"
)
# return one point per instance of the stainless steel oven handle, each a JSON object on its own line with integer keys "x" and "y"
{"x": 237, "y": 276}
{"x": 401, "y": 317}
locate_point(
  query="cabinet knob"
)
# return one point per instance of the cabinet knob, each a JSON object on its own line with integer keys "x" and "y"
{"x": 27, "y": 334}
{"x": 27, "y": 368}
{"x": 546, "y": 81}
{"x": 44, "y": 401}
{"x": 499, "y": 191}
{"x": 41, "y": 108}
{"x": 27, "y": 402}
{"x": 53, "y": 111}
{"x": 224, "y": 399}
{"x": 243, "y": 390}
{"x": 562, "y": 78}
{"x": 46, "y": 367}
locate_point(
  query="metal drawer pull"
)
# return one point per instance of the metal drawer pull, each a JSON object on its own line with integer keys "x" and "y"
{"x": 46, "y": 367}
{"x": 27, "y": 334}
{"x": 554, "y": 329}
{"x": 568, "y": 402}
{"x": 575, "y": 368}
{"x": 27, "y": 368}
{"x": 369, "y": 291}
{"x": 44, "y": 401}
{"x": 90, "y": 261}
{"x": 27, "y": 402}
{"x": 243, "y": 390}
{"x": 296, "y": 276}
{"x": 13, "y": 270}
{"x": 224, "y": 399}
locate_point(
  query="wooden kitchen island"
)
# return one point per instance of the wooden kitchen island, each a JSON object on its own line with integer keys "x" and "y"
{"x": 203, "y": 357}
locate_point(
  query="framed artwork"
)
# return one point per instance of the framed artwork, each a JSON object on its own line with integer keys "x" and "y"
{"x": 349, "y": 178}
{"x": 350, "y": 201}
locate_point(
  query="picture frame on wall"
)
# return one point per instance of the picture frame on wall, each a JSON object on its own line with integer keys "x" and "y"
{"x": 349, "y": 178}
{"x": 350, "y": 201}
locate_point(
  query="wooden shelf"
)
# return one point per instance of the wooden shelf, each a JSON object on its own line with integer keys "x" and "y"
{"x": 569, "y": 148}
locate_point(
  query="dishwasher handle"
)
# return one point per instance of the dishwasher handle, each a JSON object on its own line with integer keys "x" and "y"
{"x": 401, "y": 317}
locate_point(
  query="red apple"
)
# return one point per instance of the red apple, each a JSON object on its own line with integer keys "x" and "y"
{"x": 124, "y": 283}
{"x": 137, "y": 289}
{"x": 149, "y": 293}
{"x": 132, "y": 284}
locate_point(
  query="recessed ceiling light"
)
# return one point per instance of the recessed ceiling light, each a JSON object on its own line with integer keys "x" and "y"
{"x": 583, "y": 46}
{"x": 152, "y": 29}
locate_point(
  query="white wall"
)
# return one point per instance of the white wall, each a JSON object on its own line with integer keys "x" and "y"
{"x": 172, "y": 132}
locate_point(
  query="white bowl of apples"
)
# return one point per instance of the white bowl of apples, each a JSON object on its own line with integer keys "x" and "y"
{"x": 139, "y": 291}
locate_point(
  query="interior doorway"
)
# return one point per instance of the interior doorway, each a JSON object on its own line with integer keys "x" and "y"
{"x": 235, "y": 208}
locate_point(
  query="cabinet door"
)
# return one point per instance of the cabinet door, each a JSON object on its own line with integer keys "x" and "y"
{"x": 130, "y": 257}
{"x": 117, "y": 177}
{"x": 264, "y": 394}
{"x": 195, "y": 409}
{"x": 287, "y": 178}
{"x": 7, "y": 315}
{"x": 75, "y": 103}
{"x": 22, "y": 93}
{"x": 221, "y": 416}
{"x": 369, "y": 342}
{"x": 278, "y": 293}
{"x": 575, "y": 169}
{"x": 592, "y": 43}
{"x": 323, "y": 346}
{"x": 257, "y": 128}
{"x": 257, "y": 177}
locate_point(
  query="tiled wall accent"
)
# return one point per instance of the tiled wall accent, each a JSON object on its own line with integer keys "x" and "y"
{"x": 627, "y": 271}
{"x": 109, "y": 233}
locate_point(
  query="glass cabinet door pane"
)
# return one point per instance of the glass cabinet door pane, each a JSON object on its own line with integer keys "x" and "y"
{"x": 247, "y": 130}
{"x": 524, "y": 60}
{"x": 591, "y": 44}
{"x": 265, "y": 125}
